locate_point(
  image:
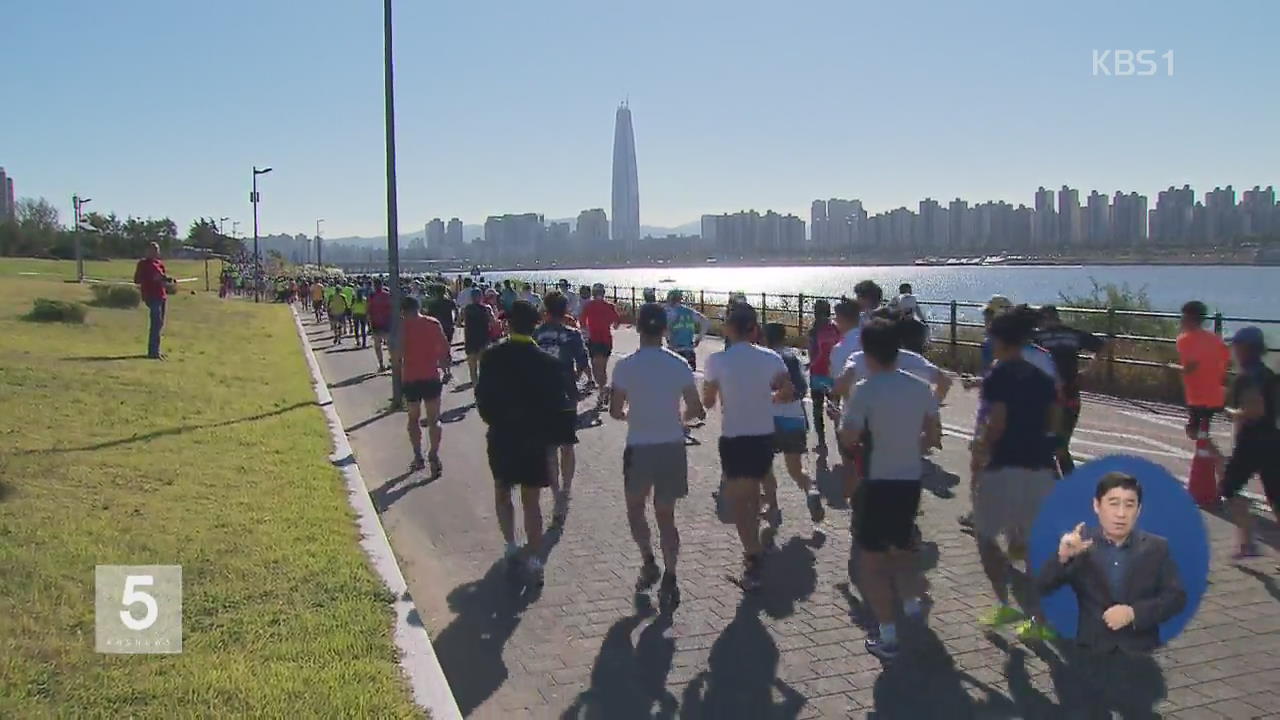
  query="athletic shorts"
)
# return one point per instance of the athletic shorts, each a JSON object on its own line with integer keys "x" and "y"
{"x": 746, "y": 456}
{"x": 885, "y": 514}
{"x": 379, "y": 330}
{"x": 821, "y": 383}
{"x": 420, "y": 390}
{"x": 663, "y": 467}
{"x": 1198, "y": 416}
{"x": 690, "y": 357}
{"x": 1255, "y": 453}
{"x": 790, "y": 435}
{"x": 563, "y": 427}
{"x": 476, "y": 345}
{"x": 1008, "y": 500}
{"x": 317, "y": 305}
{"x": 599, "y": 349}
{"x": 518, "y": 462}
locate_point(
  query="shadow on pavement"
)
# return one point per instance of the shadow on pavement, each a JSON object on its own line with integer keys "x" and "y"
{"x": 470, "y": 648}
{"x": 343, "y": 349}
{"x": 1268, "y": 583}
{"x": 369, "y": 421}
{"x": 457, "y": 414}
{"x": 925, "y": 682}
{"x": 829, "y": 482}
{"x": 627, "y": 681}
{"x": 354, "y": 380}
{"x": 938, "y": 481}
{"x": 171, "y": 431}
{"x": 392, "y": 490}
{"x": 790, "y": 577}
{"x": 1265, "y": 529}
{"x": 741, "y": 674}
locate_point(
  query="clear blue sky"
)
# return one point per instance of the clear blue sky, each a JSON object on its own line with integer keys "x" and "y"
{"x": 157, "y": 107}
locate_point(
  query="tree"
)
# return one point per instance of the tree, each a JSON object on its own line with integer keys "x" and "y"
{"x": 204, "y": 234}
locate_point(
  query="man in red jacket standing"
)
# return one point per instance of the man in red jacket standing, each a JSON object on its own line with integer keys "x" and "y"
{"x": 151, "y": 279}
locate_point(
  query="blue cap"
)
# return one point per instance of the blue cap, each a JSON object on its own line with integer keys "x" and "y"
{"x": 1250, "y": 336}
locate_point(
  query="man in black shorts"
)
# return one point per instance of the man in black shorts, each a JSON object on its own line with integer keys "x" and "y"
{"x": 752, "y": 381}
{"x": 519, "y": 394}
{"x": 558, "y": 340}
{"x": 442, "y": 307}
{"x": 476, "y": 319}
{"x": 895, "y": 408}
{"x": 1253, "y": 401}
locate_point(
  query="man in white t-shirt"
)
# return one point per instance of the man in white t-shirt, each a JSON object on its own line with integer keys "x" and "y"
{"x": 750, "y": 380}
{"x": 647, "y": 388}
{"x": 464, "y": 295}
{"x": 887, "y": 415}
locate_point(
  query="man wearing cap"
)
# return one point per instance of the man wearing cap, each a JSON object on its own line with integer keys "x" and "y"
{"x": 1252, "y": 407}
{"x": 1064, "y": 344}
{"x": 685, "y": 328}
{"x": 647, "y": 388}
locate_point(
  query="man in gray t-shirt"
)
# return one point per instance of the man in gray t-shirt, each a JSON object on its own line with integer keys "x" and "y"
{"x": 889, "y": 412}
{"x": 647, "y": 388}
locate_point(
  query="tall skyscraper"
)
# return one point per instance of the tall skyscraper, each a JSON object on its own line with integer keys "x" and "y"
{"x": 8, "y": 208}
{"x": 453, "y": 237}
{"x": 626, "y": 183}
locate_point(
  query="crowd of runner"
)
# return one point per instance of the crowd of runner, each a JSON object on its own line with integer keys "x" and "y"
{"x": 531, "y": 359}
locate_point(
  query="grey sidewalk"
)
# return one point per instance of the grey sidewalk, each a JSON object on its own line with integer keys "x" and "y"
{"x": 584, "y": 647}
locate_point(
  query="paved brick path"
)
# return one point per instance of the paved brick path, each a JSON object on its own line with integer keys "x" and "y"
{"x": 586, "y": 647}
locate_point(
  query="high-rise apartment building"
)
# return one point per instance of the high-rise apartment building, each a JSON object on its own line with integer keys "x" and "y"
{"x": 1069, "y": 230}
{"x": 1044, "y": 234}
{"x": 8, "y": 206}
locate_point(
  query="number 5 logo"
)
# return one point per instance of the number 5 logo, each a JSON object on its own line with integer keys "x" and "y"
{"x": 133, "y": 596}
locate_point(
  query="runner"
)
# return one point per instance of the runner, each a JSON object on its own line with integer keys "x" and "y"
{"x": 337, "y": 308}
{"x": 463, "y": 297}
{"x": 647, "y": 388}
{"x": 823, "y": 337}
{"x": 1064, "y": 345}
{"x": 508, "y": 295}
{"x": 317, "y": 299}
{"x": 751, "y": 380}
{"x": 574, "y": 302}
{"x": 790, "y": 432}
{"x": 519, "y": 395}
{"x": 1205, "y": 361}
{"x": 360, "y": 316}
{"x": 348, "y": 294}
{"x": 1015, "y": 459}
{"x": 600, "y": 318}
{"x": 380, "y": 320}
{"x": 442, "y": 307}
{"x": 424, "y": 364}
{"x": 849, "y": 324}
{"x": 528, "y": 296}
{"x": 1254, "y": 398}
{"x": 476, "y": 320}
{"x": 565, "y": 344}
{"x": 906, "y": 305}
{"x": 894, "y": 408}
{"x": 686, "y": 328}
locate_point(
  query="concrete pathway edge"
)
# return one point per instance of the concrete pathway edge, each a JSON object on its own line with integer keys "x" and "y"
{"x": 417, "y": 658}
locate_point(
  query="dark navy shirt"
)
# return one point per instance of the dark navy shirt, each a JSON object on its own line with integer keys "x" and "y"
{"x": 1113, "y": 560}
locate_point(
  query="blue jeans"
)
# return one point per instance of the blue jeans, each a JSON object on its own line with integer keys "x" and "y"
{"x": 156, "y": 307}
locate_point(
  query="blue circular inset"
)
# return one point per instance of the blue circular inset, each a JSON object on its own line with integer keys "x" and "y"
{"x": 1167, "y": 511}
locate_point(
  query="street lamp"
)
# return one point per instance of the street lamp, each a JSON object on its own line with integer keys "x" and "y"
{"x": 393, "y": 239}
{"x": 220, "y": 224}
{"x": 319, "y": 252}
{"x": 78, "y": 202}
{"x": 257, "y": 260}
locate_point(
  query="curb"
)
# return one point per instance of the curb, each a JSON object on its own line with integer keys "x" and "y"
{"x": 417, "y": 658}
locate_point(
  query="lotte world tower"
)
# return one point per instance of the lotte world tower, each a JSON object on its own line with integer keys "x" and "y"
{"x": 626, "y": 185}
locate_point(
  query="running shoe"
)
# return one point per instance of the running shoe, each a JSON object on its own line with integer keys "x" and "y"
{"x": 816, "y": 511}
{"x": 649, "y": 573}
{"x": 884, "y": 651}
{"x": 1246, "y": 551}
{"x": 436, "y": 467}
{"x": 1032, "y": 631}
{"x": 751, "y": 574}
{"x": 536, "y": 571}
{"x": 1000, "y": 615}
{"x": 417, "y": 464}
{"x": 560, "y": 510}
{"x": 511, "y": 553}
{"x": 774, "y": 516}
{"x": 918, "y": 610}
{"x": 668, "y": 592}
{"x": 966, "y": 520}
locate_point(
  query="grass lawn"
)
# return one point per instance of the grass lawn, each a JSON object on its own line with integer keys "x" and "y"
{"x": 214, "y": 460}
{"x": 121, "y": 269}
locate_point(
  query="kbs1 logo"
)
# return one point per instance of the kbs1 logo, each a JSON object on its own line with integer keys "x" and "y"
{"x": 1129, "y": 63}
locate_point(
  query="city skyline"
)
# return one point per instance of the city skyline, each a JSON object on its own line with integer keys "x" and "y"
{"x": 742, "y": 105}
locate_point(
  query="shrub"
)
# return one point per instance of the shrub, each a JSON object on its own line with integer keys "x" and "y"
{"x": 46, "y": 310}
{"x": 1118, "y": 297}
{"x": 116, "y": 295}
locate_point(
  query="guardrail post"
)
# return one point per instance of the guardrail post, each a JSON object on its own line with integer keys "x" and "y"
{"x": 764, "y": 306}
{"x": 634, "y": 312}
{"x": 1111, "y": 347}
{"x": 954, "y": 332}
{"x": 615, "y": 295}
{"x": 800, "y": 315}
{"x": 1217, "y": 324}
{"x": 702, "y": 304}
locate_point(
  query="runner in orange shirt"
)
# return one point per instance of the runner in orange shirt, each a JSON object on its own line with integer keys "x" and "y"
{"x": 1205, "y": 361}
{"x": 425, "y": 358}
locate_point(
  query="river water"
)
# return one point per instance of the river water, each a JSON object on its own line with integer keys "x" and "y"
{"x": 1240, "y": 291}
